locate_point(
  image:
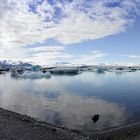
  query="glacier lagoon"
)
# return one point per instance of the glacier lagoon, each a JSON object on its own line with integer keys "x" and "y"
{"x": 72, "y": 101}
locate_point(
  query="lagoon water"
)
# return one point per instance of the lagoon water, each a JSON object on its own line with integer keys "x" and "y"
{"x": 72, "y": 101}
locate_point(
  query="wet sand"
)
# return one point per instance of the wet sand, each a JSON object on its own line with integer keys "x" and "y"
{"x": 14, "y": 126}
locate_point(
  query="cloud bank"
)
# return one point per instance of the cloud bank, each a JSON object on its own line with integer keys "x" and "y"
{"x": 27, "y": 22}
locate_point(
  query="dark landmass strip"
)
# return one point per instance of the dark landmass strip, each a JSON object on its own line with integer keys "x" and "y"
{"x": 14, "y": 126}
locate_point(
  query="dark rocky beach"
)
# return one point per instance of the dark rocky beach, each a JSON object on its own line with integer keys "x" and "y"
{"x": 14, "y": 126}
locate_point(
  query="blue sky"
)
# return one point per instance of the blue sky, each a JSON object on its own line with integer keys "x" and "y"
{"x": 122, "y": 47}
{"x": 75, "y": 31}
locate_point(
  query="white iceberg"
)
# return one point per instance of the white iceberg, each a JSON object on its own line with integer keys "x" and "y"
{"x": 30, "y": 74}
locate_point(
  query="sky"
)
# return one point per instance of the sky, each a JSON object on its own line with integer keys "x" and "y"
{"x": 73, "y": 31}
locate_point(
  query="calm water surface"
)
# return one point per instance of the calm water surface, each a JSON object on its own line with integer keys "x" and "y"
{"x": 71, "y": 101}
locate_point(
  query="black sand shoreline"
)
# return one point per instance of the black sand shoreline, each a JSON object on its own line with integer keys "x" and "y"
{"x": 14, "y": 126}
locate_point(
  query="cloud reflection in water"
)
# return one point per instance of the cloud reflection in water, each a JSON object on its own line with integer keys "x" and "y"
{"x": 49, "y": 100}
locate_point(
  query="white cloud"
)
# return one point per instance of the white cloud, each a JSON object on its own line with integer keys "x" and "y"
{"x": 51, "y": 54}
{"x": 89, "y": 58}
{"x": 78, "y": 21}
{"x": 47, "y": 54}
{"x": 134, "y": 56}
{"x": 131, "y": 56}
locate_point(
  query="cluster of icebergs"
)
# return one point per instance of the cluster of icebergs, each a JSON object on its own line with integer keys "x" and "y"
{"x": 110, "y": 68}
{"x": 39, "y": 72}
{"x": 42, "y": 72}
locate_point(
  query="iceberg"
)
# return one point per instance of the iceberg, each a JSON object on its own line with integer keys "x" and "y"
{"x": 30, "y": 74}
{"x": 64, "y": 71}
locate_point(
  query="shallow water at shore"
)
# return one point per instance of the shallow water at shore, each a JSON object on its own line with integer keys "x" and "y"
{"x": 72, "y": 101}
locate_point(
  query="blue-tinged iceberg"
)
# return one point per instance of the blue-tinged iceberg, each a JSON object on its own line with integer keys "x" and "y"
{"x": 29, "y": 74}
{"x": 32, "y": 74}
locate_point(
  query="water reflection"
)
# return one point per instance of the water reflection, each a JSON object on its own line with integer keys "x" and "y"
{"x": 69, "y": 101}
{"x": 66, "y": 110}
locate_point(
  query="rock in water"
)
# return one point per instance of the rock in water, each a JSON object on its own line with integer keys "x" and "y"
{"x": 95, "y": 118}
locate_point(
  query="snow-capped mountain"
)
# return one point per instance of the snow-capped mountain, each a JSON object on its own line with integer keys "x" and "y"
{"x": 10, "y": 63}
